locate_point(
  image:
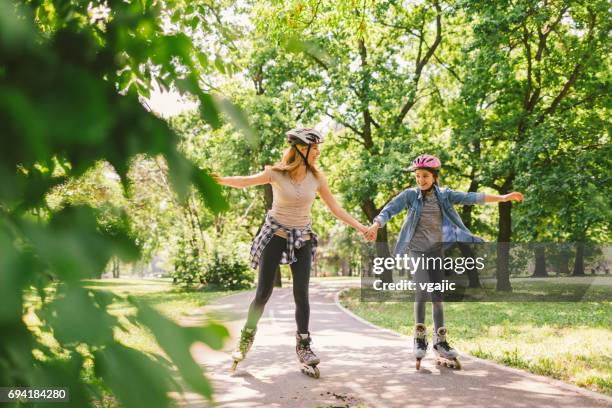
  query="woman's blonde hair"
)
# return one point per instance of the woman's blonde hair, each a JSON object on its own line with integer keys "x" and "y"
{"x": 291, "y": 161}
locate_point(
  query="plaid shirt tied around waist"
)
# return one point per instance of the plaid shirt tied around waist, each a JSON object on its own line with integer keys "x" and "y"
{"x": 295, "y": 240}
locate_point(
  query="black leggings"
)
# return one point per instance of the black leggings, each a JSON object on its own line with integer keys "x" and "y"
{"x": 268, "y": 263}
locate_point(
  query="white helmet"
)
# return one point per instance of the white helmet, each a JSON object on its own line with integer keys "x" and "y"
{"x": 305, "y": 136}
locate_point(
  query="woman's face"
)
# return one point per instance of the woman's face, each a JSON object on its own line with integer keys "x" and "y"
{"x": 315, "y": 151}
{"x": 424, "y": 179}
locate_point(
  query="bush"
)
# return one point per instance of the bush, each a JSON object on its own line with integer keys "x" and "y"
{"x": 188, "y": 269}
{"x": 228, "y": 272}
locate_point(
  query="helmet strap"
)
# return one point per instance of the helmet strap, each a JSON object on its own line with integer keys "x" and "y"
{"x": 305, "y": 158}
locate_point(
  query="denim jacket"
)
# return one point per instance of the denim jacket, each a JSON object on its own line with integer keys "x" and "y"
{"x": 453, "y": 229}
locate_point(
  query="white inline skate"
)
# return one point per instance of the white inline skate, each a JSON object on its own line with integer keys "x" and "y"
{"x": 420, "y": 343}
{"x": 445, "y": 354}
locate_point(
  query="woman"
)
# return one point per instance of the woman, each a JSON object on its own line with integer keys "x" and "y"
{"x": 287, "y": 237}
{"x": 431, "y": 222}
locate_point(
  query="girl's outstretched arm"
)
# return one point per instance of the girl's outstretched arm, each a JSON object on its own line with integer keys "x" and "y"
{"x": 461, "y": 198}
{"x": 335, "y": 208}
{"x": 514, "y": 196}
{"x": 262, "y": 177}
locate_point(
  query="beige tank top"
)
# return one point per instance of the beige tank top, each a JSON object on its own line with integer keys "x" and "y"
{"x": 292, "y": 201}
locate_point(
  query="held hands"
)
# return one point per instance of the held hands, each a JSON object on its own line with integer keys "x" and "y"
{"x": 371, "y": 232}
{"x": 368, "y": 233}
{"x": 514, "y": 196}
{"x": 362, "y": 229}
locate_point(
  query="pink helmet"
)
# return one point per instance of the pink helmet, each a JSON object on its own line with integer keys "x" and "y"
{"x": 426, "y": 161}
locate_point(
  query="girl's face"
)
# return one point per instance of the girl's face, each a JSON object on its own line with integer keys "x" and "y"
{"x": 315, "y": 151}
{"x": 424, "y": 179}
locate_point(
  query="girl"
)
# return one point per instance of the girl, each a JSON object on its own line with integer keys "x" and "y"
{"x": 431, "y": 221}
{"x": 287, "y": 237}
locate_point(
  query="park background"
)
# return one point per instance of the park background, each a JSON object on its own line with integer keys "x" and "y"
{"x": 114, "y": 114}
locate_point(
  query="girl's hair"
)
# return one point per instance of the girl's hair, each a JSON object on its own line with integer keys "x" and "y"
{"x": 291, "y": 161}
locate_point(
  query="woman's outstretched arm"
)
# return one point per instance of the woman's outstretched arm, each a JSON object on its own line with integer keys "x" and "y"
{"x": 335, "y": 208}
{"x": 262, "y": 177}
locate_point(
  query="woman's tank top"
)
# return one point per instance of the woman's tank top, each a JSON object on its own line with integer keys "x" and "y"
{"x": 292, "y": 201}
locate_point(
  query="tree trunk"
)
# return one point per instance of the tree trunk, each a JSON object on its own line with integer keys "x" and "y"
{"x": 466, "y": 215}
{"x": 540, "y": 261}
{"x": 564, "y": 263}
{"x": 503, "y": 247}
{"x": 116, "y": 270}
{"x": 472, "y": 273}
{"x": 579, "y": 263}
{"x": 193, "y": 205}
{"x": 344, "y": 267}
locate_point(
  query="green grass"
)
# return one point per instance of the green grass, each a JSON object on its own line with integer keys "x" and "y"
{"x": 567, "y": 341}
{"x": 522, "y": 291}
{"x": 159, "y": 293}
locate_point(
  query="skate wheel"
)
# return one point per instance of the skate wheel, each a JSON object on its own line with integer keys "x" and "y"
{"x": 316, "y": 373}
{"x": 311, "y": 371}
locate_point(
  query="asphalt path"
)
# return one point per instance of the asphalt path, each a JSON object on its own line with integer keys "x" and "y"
{"x": 361, "y": 365}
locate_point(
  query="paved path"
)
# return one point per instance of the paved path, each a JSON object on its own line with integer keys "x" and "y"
{"x": 362, "y": 365}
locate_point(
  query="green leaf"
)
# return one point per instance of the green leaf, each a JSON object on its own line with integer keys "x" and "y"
{"x": 179, "y": 172}
{"x": 296, "y": 45}
{"x": 12, "y": 279}
{"x": 238, "y": 119}
{"x": 176, "y": 342}
{"x": 64, "y": 373}
{"x": 209, "y": 110}
{"x": 220, "y": 65}
{"x": 135, "y": 379}
{"x": 72, "y": 244}
{"x": 75, "y": 318}
{"x": 202, "y": 58}
{"x": 210, "y": 190}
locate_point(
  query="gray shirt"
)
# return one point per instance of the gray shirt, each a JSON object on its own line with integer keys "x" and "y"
{"x": 428, "y": 233}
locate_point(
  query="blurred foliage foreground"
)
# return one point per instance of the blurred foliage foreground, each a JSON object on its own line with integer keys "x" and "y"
{"x": 60, "y": 113}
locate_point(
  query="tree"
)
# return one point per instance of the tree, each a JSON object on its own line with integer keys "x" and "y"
{"x": 370, "y": 62}
{"x": 529, "y": 63}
